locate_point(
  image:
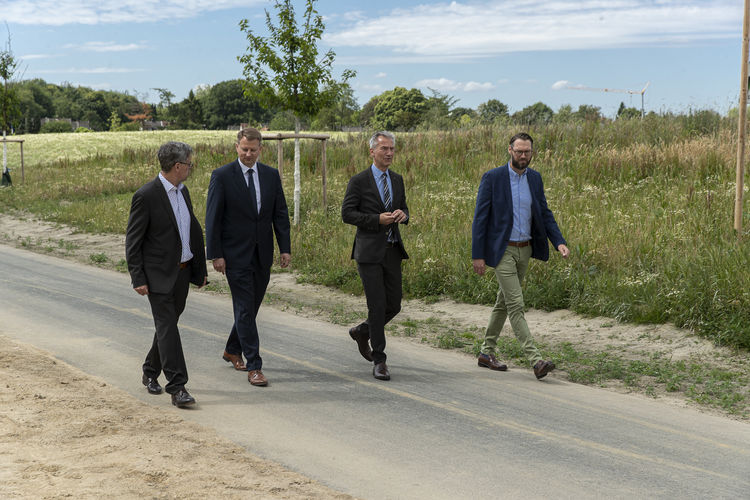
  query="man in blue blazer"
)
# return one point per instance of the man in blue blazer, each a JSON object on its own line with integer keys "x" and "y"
{"x": 375, "y": 202}
{"x": 245, "y": 207}
{"x": 512, "y": 224}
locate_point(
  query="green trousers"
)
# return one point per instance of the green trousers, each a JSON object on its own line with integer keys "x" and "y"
{"x": 509, "y": 304}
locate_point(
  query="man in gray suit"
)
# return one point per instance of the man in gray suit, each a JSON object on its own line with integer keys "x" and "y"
{"x": 375, "y": 202}
{"x": 164, "y": 252}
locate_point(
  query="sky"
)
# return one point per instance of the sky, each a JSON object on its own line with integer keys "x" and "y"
{"x": 519, "y": 52}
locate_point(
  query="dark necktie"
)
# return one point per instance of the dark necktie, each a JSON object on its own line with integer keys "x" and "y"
{"x": 388, "y": 204}
{"x": 251, "y": 187}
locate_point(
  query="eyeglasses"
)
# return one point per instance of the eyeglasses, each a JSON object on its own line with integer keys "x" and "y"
{"x": 189, "y": 164}
{"x": 525, "y": 152}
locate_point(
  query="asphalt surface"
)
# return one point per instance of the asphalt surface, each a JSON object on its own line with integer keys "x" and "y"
{"x": 440, "y": 428}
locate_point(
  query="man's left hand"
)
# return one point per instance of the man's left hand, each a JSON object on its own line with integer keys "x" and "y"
{"x": 285, "y": 259}
{"x": 563, "y": 251}
{"x": 398, "y": 216}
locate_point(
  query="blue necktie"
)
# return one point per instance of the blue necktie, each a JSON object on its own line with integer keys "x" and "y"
{"x": 388, "y": 204}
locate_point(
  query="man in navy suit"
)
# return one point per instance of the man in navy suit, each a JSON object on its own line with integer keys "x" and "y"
{"x": 245, "y": 207}
{"x": 164, "y": 252}
{"x": 375, "y": 202}
{"x": 512, "y": 224}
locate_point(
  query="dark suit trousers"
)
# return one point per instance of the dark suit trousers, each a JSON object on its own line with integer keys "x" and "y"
{"x": 166, "y": 351}
{"x": 382, "y": 284}
{"x": 248, "y": 286}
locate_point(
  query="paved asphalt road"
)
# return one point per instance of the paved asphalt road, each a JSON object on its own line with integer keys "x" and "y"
{"x": 441, "y": 428}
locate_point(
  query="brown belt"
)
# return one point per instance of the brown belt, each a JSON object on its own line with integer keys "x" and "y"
{"x": 183, "y": 265}
{"x": 519, "y": 244}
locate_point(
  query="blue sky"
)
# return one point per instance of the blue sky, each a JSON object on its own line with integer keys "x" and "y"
{"x": 519, "y": 51}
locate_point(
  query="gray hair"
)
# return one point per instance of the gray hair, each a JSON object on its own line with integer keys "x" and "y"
{"x": 382, "y": 133}
{"x": 173, "y": 152}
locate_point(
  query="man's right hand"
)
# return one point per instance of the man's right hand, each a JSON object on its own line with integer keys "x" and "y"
{"x": 479, "y": 266}
{"x": 142, "y": 290}
{"x": 220, "y": 265}
{"x": 387, "y": 218}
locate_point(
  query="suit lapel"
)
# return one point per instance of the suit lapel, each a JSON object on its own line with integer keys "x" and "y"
{"x": 162, "y": 194}
{"x": 243, "y": 190}
{"x": 373, "y": 183}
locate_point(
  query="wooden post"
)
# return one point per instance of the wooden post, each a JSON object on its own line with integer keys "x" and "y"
{"x": 280, "y": 154}
{"x": 325, "y": 181}
{"x": 741, "y": 126}
{"x": 22, "y": 176}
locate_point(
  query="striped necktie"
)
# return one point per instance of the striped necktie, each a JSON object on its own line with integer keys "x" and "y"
{"x": 387, "y": 203}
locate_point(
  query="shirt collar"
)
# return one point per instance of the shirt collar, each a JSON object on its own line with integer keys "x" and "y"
{"x": 377, "y": 173}
{"x": 516, "y": 174}
{"x": 245, "y": 168}
{"x": 168, "y": 186}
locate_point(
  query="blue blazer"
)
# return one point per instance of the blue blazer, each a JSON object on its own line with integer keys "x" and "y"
{"x": 493, "y": 218}
{"x": 234, "y": 228}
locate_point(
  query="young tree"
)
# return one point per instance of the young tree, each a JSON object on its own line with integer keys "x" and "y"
{"x": 9, "y": 110}
{"x": 283, "y": 70}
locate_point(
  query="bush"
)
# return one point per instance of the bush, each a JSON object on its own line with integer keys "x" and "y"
{"x": 55, "y": 128}
{"x": 82, "y": 130}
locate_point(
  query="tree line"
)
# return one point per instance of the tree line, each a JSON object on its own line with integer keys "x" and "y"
{"x": 226, "y": 105}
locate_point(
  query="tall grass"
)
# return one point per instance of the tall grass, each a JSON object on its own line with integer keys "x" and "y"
{"x": 646, "y": 207}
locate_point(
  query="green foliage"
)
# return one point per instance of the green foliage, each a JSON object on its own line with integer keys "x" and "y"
{"x": 399, "y": 109}
{"x": 492, "y": 111}
{"x": 82, "y": 130}
{"x": 56, "y": 127}
{"x": 225, "y": 104}
{"x": 283, "y": 120}
{"x": 283, "y": 70}
{"x": 536, "y": 114}
{"x": 624, "y": 113}
{"x": 9, "y": 106}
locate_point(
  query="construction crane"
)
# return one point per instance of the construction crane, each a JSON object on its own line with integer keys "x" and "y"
{"x": 623, "y": 91}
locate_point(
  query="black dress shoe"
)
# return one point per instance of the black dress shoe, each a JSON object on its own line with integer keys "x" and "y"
{"x": 151, "y": 384}
{"x": 361, "y": 336}
{"x": 542, "y": 368}
{"x": 182, "y": 399}
{"x": 380, "y": 371}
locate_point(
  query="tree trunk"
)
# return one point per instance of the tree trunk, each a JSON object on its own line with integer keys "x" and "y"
{"x": 297, "y": 184}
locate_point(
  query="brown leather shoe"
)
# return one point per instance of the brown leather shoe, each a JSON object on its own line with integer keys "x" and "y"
{"x": 256, "y": 377}
{"x": 380, "y": 371}
{"x": 362, "y": 338}
{"x": 542, "y": 368}
{"x": 491, "y": 362}
{"x": 236, "y": 360}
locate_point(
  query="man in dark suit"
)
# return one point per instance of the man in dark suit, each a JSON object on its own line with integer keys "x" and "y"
{"x": 512, "y": 224}
{"x": 244, "y": 208}
{"x": 164, "y": 252}
{"x": 375, "y": 202}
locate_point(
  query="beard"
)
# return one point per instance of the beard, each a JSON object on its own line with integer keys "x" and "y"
{"x": 519, "y": 164}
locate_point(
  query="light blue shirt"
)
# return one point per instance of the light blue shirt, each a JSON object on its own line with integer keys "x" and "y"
{"x": 521, "y": 196}
{"x": 256, "y": 180}
{"x": 378, "y": 174}
{"x": 181, "y": 215}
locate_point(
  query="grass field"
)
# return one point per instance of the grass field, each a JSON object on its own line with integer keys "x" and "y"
{"x": 646, "y": 208}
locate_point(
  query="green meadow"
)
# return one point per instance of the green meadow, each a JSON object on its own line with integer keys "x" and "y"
{"x": 646, "y": 208}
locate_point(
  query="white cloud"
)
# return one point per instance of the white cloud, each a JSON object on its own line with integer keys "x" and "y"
{"x": 61, "y": 12}
{"x": 105, "y": 47}
{"x": 444, "y": 84}
{"x": 29, "y": 57}
{"x": 381, "y": 75}
{"x": 91, "y": 71}
{"x": 368, "y": 87}
{"x": 560, "y": 84}
{"x": 491, "y": 27}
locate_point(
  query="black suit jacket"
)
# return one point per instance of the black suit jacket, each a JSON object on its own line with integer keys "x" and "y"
{"x": 234, "y": 229}
{"x": 362, "y": 207}
{"x": 152, "y": 241}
